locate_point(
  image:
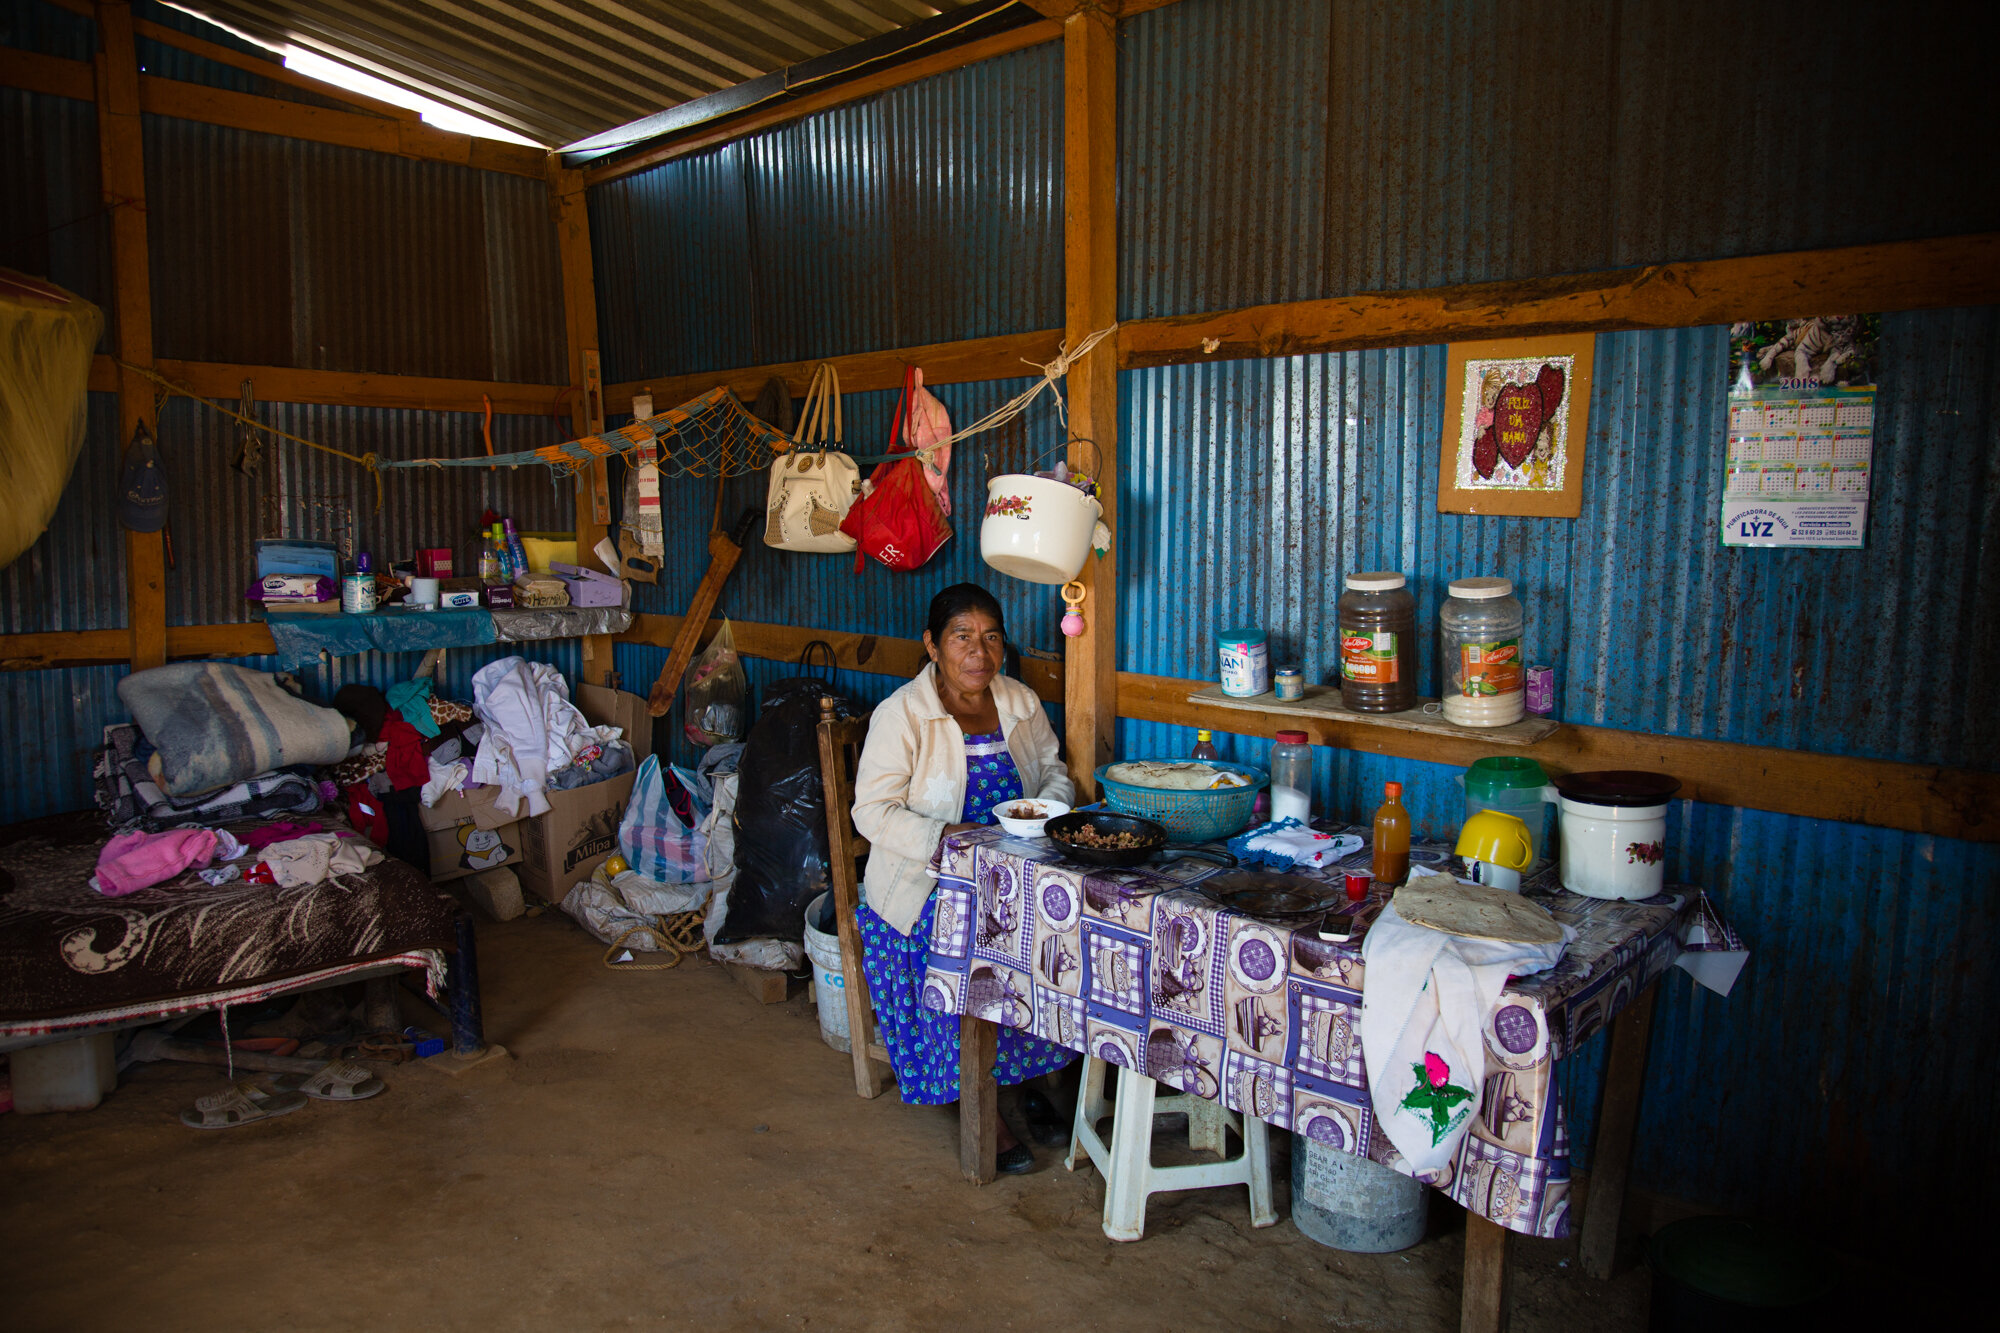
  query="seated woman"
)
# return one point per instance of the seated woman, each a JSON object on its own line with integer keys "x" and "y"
{"x": 942, "y": 753}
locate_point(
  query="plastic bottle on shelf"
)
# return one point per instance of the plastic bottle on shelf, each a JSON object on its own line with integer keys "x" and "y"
{"x": 1378, "y": 643}
{"x": 1392, "y": 837}
{"x": 502, "y": 555}
{"x": 1204, "y": 747}
{"x": 1481, "y": 624}
{"x": 1291, "y": 777}
{"x": 489, "y": 557}
{"x": 517, "y": 553}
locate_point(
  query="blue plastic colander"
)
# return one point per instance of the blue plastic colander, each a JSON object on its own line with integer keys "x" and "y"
{"x": 1190, "y": 816}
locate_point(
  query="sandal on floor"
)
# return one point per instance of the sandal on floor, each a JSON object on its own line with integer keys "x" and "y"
{"x": 239, "y": 1104}
{"x": 1046, "y": 1125}
{"x": 335, "y": 1081}
{"x": 1017, "y": 1160}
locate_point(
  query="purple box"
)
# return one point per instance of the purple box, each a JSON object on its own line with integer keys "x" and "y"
{"x": 1541, "y": 690}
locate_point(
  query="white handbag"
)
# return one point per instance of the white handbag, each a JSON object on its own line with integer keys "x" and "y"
{"x": 812, "y": 489}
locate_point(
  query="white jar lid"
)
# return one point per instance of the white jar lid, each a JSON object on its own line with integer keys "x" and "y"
{"x": 1479, "y": 590}
{"x": 1381, "y": 580}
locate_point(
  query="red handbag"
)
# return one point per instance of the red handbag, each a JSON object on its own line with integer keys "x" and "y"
{"x": 898, "y": 519}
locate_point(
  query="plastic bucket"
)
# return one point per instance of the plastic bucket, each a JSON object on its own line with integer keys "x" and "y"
{"x": 829, "y": 982}
{"x": 1037, "y": 529}
{"x": 1349, "y": 1203}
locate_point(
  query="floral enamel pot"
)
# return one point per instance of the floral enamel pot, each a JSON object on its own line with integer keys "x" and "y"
{"x": 1612, "y": 831}
{"x": 1036, "y": 528}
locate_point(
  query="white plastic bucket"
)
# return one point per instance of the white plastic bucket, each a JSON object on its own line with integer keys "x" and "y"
{"x": 829, "y": 983}
{"x": 1036, "y": 528}
{"x": 1613, "y": 851}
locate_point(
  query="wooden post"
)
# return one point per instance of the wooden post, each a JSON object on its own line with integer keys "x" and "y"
{"x": 978, "y": 1100}
{"x": 593, "y": 494}
{"x": 1617, "y": 1121}
{"x": 122, "y": 173}
{"x": 1482, "y": 1297}
{"x": 1090, "y": 259}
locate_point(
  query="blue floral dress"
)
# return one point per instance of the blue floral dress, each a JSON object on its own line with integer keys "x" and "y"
{"x": 923, "y": 1044}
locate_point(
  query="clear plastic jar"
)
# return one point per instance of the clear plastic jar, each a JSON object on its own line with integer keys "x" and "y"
{"x": 1481, "y": 624}
{"x": 1291, "y": 777}
{"x": 1378, "y": 644}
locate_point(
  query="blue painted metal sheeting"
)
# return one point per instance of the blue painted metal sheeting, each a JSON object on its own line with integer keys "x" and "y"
{"x": 46, "y": 29}
{"x": 52, "y": 218}
{"x": 927, "y": 213}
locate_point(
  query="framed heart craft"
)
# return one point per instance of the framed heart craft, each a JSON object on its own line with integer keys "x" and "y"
{"x": 1516, "y": 413}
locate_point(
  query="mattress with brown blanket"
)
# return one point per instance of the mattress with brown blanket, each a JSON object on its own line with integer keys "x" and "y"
{"x": 70, "y": 957}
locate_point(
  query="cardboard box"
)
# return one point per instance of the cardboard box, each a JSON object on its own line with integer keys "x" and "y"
{"x": 469, "y": 834}
{"x": 581, "y": 828}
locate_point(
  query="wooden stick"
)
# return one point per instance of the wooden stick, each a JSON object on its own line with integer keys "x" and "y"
{"x": 978, "y": 1100}
{"x": 1482, "y": 1298}
{"x": 1617, "y": 1123}
{"x": 723, "y": 551}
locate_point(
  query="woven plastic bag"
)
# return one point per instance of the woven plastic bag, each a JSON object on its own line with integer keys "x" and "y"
{"x": 660, "y": 836}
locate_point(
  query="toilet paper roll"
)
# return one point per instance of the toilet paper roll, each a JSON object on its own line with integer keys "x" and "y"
{"x": 423, "y": 592}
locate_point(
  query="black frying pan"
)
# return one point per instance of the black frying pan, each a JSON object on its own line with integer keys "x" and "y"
{"x": 1154, "y": 848}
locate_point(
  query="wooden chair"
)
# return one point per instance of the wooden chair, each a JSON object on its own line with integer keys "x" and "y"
{"x": 840, "y": 741}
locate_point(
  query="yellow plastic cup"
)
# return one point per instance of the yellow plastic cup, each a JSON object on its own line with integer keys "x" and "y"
{"x": 1497, "y": 838}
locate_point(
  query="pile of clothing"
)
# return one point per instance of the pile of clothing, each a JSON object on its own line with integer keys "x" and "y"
{"x": 535, "y": 740}
{"x": 291, "y": 856}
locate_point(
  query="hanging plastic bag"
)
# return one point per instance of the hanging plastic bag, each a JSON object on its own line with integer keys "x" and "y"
{"x": 715, "y": 692}
{"x": 660, "y": 836}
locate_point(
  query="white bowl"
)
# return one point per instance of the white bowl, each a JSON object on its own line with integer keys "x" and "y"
{"x": 1028, "y": 828}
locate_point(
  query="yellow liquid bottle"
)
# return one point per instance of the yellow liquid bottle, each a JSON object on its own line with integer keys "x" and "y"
{"x": 1392, "y": 837}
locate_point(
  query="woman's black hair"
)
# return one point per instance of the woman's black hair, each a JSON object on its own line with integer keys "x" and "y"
{"x": 956, "y": 601}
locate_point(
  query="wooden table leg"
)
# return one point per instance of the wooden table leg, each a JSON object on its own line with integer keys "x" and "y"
{"x": 978, "y": 1099}
{"x": 1482, "y": 1300}
{"x": 1617, "y": 1119}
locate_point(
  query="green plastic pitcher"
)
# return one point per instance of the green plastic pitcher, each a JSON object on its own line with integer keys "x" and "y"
{"x": 1513, "y": 785}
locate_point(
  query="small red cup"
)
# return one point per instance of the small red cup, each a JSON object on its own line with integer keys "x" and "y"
{"x": 1358, "y": 884}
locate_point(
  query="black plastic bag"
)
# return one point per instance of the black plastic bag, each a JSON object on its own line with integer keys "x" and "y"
{"x": 781, "y": 848}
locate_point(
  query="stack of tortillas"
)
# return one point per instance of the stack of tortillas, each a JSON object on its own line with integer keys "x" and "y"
{"x": 1475, "y": 911}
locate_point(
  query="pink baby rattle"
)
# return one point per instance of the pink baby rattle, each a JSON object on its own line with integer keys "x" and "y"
{"x": 1072, "y": 621}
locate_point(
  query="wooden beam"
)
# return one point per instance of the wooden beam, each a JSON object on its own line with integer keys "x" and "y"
{"x": 1090, "y": 266}
{"x": 64, "y": 648}
{"x": 1617, "y": 1125}
{"x": 390, "y": 132}
{"x": 250, "y": 639}
{"x": 122, "y": 174}
{"x": 1921, "y": 798}
{"x": 1900, "y": 275}
{"x": 318, "y": 124}
{"x": 1482, "y": 1296}
{"x": 853, "y": 652}
{"x": 51, "y": 75}
{"x": 867, "y": 85}
{"x": 965, "y": 362}
{"x": 593, "y": 493}
{"x": 272, "y": 69}
{"x": 338, "y": 388}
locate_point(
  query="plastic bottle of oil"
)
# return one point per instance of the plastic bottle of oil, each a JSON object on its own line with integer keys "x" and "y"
{"x": 1204, "y": 747}
{"x": 1392, "y": 837}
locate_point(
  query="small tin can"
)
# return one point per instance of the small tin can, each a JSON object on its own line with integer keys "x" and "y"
{"x": 1246, "y": 662}
{"x": 1539, "y": 684}
{"x": 1359, "y": 882}
{"x": 1290, "y": 683}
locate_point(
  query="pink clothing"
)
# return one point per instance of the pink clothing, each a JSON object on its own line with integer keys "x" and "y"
{"x": 133, "y": 861}
{"x": 267, "y": 834}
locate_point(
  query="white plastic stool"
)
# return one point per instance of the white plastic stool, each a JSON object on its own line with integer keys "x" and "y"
{"x": 1129, "y": 1174}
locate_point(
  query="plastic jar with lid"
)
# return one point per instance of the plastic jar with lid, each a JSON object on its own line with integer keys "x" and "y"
{"x": 1291, "y": 777}
{"x": 1481, "y": 624}
{"x": 1378, "y": 643}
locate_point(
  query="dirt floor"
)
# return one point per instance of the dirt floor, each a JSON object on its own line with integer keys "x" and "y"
{"x": 659, "y": 1149}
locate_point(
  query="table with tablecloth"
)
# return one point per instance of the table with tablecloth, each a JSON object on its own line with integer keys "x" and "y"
{"x": 1132, "y": 966}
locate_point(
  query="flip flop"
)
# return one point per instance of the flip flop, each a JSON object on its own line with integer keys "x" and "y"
{"x": 1046, "y": 1125}
{"x": 239, "y": 1104}
{"x": 335, "y": 1081}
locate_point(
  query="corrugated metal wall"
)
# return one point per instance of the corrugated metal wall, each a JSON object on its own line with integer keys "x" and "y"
{"x": 1303, "y": 148}
{"x": 269, "y": 252}
{"x": 926, "y": 213}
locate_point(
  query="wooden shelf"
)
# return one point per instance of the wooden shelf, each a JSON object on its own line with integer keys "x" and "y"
{"x": 1322, "y": 704}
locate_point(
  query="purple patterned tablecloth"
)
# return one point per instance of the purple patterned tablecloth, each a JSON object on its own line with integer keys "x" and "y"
{"x": 1131, "y": 966}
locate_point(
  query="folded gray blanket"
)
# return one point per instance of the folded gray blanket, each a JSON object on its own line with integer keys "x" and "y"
{"x": 216, "y": 725}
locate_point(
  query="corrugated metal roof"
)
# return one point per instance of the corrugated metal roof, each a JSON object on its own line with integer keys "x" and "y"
{"x": 560, "y": 72}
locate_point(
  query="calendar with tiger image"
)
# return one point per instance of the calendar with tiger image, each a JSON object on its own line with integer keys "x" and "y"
{"x": 1801, "y": 432}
